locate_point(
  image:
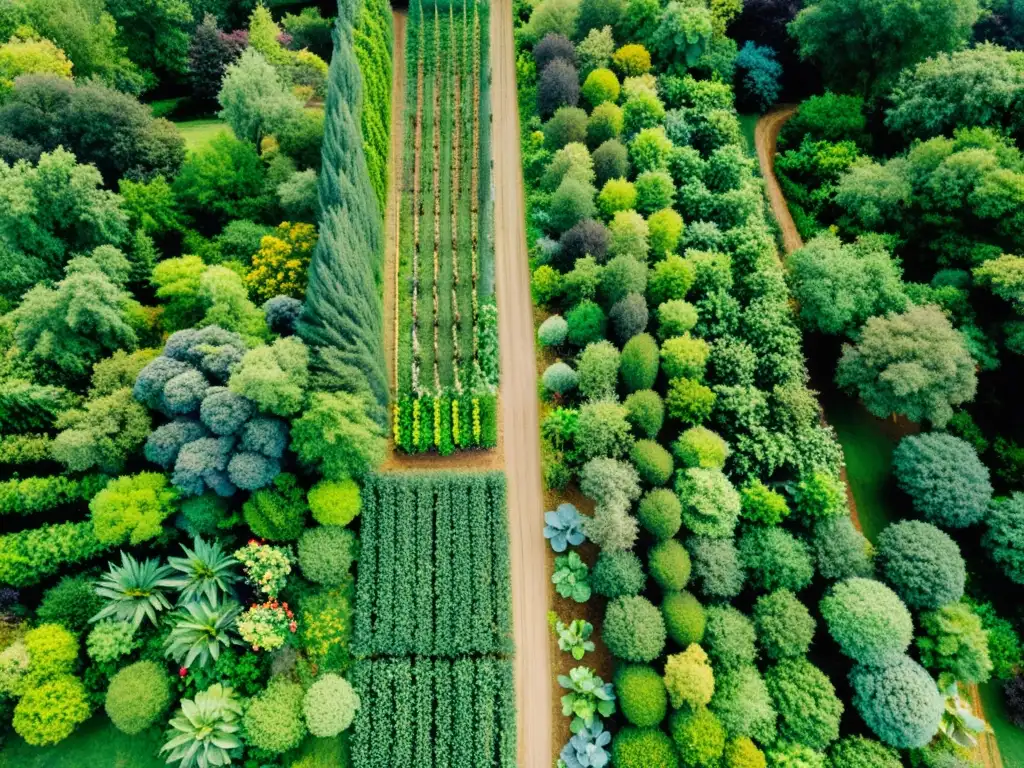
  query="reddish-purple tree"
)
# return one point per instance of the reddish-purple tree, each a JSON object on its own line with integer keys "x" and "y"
{"x": 209, "y": 55}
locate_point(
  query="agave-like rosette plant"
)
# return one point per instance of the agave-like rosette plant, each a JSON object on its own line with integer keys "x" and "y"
{"x": 134, "y": 591}
{"x": 204, "y": 732}
{"x": 201, "y": 630}
{"x": 205, "y": 572}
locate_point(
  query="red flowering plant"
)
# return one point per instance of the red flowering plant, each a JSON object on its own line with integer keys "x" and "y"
{"x": 267, "y": 626}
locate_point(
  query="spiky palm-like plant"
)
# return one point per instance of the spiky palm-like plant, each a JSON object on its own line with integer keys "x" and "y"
{"x": 200, "y": 630}
{"x": 204, "y": 733}
{"x": 134, "y": 591}
{"x": 205, "y": 571}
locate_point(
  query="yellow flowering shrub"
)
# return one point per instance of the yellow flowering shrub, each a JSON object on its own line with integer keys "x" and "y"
{"x": 279, "y": 267}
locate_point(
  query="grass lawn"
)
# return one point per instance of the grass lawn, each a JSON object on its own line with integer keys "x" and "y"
{"x": 868, "y": 451}
{"x": 1009, "y": 736}
{"x": 199, "y": 133}
{"x": 96, "y": 743}
{"x": 747, "y": 125}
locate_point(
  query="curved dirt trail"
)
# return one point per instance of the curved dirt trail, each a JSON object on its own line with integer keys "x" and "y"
{"x": 765, "y": 136}
{"x": 530, "y": 596}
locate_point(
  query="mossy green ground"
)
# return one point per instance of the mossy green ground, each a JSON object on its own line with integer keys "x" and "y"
{"x": 96, "y": 743}
{"x": 1009, "y": 737}
{"x": 748, "y": 124}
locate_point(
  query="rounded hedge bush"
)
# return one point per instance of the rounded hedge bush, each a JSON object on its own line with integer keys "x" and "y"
{"x": 616, "y": 195}
{"x": 611, "y": 160}
{"x": 552, "y": 332}
{"x": 684, "y": 357}
{"x": 71, "y": 603}
{"x": 587, "y": 323}
{"x": 742, "y": 703}
{"x": 138, "y": 696}
{"x": 1004, "y": 539}
{"x": 553, "y": 46}
{"x": 634, "y": 629}
{"x": 326, "y": 554}
{"x": 922, "y": 564}
{"x": 641, "y": 695}
{"x": 700, "y": 447}
{"x": 944, "y": 478}
{"x": 684, "y": 617}
{"x": 809, "y": 710}
{"x": 760, "y": 504}
{"x": 859, "y": 752}
{"x": 567, "y": 125}
{"x": 653, "y": 463}
{"x": 643, "y": 748}
{"x": 675, "y": 317}
{"x": 646, "y": 412}
{"x": 668, "y": 563}
{"x": 600, "y": 86}
{"x": 602, "y": 430}
{"x": 689, "y": 680}
{"x": 784, "y": 626}
{"x": 670, "y": 279}
{"x": 868, "y": 621}
{"x": 334, "y": 502}
{"x": 52, "y": 652}
{"x": 203, "y": 514}
{"x": 629, "y": 317}
{"x": 48, "y": 713}
{"x": 638, "y": 365}
{"x": 557, "y": 86}
{"x": 775, "y": 559}
{"x": 743, "y": 753}
{"x": 660, "y": 513}
{"x": 841, "y": 551}
{"x": 729, "y": 637}
{"x": 560, "y": 378}
{"x": 273, "y": 720}
{"x": 329, "y": 705}
{"x": 655, "y": 192}
{"x": 666, "y": 228}
{"x": 716, "y": 567}
{"x": 598, "y": 369}
{"x": 899, "y": 702}
{"x": 699, "y": 737}
{"x": 617, "y": 574}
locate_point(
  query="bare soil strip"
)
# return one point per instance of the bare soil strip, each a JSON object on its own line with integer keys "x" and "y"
{"x": 765, "y": 136}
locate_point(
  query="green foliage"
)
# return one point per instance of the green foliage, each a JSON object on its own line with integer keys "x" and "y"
{"x": 711, "y": 506}
{"x": 598, "y": 367}
{"x": 700, "y": 447}
{"x": 205, "y": 571}
{"x": 742, "y": 753}
{"x": 334, "y": 502}
{"x": 716, "y": 566}
{"x": 588, "y": 697}
{"x": 552, "y": 331}
{"x": 559, "y": 378}
{"x": 638, "y": 365}
{"x": 775, "y": 559}
{"x": 601, "y": 85}
{"x": 277, "y": 513}
{"x": 27, "y": 557}
{"x": 571, "y": 577}
{"x": 47, "y": 714}
{"x": 699, "y": 736}
{"x": 899, "y": 702}
{"x": 587, "y": 323}
{"x": 336, "y": 436}
{"x": 729, "y": 637}
{"x": 641, "y": 695}
{"x": 841, "y": 550}
{"x": 225, "y": 180}
{"x": 688, "y": 678}
{"x": 946, "y": 481}
{"x": 138, "y": 696}
{"x": 954, "y": 644}
{"x": 204, "y": 732}
{"x": 660, "y": 513}
{"x": 633, "y": 629}
{"x": 35, "y": 495}
{"x": 805, "y": 699}
{"x": 71, "y": 603}
{"x": 102, "y": 435}
{"x": 689, "y": 401}
{"x": 329, "y": 705}
{"x": 643, "y": 748}
{"x": 684, "y": 357}
{"x": 132, "y": 508}
{"x": 200, "y": 630}
{"x": 133, "y": 591}
{"x": 52, "y": 653}
{"x": 868, "y": 620}
{"x": 110, "y": 640}
{"x": 742, "y": 703}
{"x": 618, "y": 574}
{"x": 922, "y": 564}
{"x": 759, "y": 504}
{"x": 274, "y": 377}
{"x": 273, "y": 720}
{"x": 645, "y": 411}
{"x": 666, "y": 228}
{"x": 859, "y": 752}
{"x": 784, "y": 626}
{"x": 602, "y": 429}
{"x": 653, "y": 462}
{"x": 819, "y": 495}
{"x": 669, "y": 565}
{"x": 1004, "y": 539}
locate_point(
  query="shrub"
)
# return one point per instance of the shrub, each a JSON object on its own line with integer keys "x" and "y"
{"x": 618, "y": 574}
{"x": 629, "y": 316}
{"x": 666, "y": 228}
{"x": 784, "y": 626}
{"x": 650, "y": 148}
{"x": 551, "y": 47}
{"x": 700, "y": 447}
{"x": 819, "y": 495}
{"x": 684, "y": 357}
{"x": 567, "y": 125}
{"x": 1003, "y": 641}
{"x": 760, "y": 504}
{"x": 602, "y": 430}
{"x": 743, "y": 753}
{"x": 571, "y": 161}
{"x": 132, "y": 508}
{"x": 600, "y": 86}
{"x": 633, "y": 629}
{"x": 552, "y": 332}
{"x": 334, "y": 502}
{"x": 1004, "y": 539}
{"x": 326, "y": 554}
{"x": 953, "y": 643}
{"x": 684, "y": 617}
{"x": 688, "y": 678}
{"x": 655, "y": 192}
{"x": 110, "y": 640}
{"x": 742, "y": 703}
{"x": 791, "y": 753}
{"x": 629, "y": 240}
{"x": 138, "y": 696}
{"x": 587, "y": 323}
{"x": 899, "y": 702}
{"x": 560, "y": 379}
{"x": 204, "y": 514}
{"x": 716, "y": 566}
{"x": 671, "y": 279}
{"x": 71, "y": 603}
{"x": 571, "y": 203}
{"x": 868, "y": 621}
{"x": 639, "y": 362}
{"x": 841, "y": 550}
{"x": 699, "y": 737}
{"x": 52, "y": 652}
{"x": 643, "y": 748}
{"x": 611, "y": 160}
{"x": 545, "y": 285}
{"x": 645, "y": 411}
{"x": 775, "y": 559}
{"x": 653, "y": 463}
{"x": 558, "y": 86}
{"x": 49, "y": 713}
{"x": 669, "y": 565}
{"x": 277, "y": 513}
{"x": 711, "y": 505}
{"x": 330, "y": 705}
{"x": 273, "y": 720}
{"x": 809, "y": 710}
{"x": 922, "y": 564}
{"x": 616, "y": 195}
{"x": 946, "y": 481}
{"x": 641, "y": 695}
{"x": 729, "y": 637}
{"x": 632, "y": 59}
{"x": 14, "y": 661}
{"x": 859, "y": 752}
{"x": 660, "y": 513}
{"x": 598, "y": 368}
{"x": 689, "y": 401}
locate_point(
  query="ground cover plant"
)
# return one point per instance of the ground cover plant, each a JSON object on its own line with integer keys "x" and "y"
{"x": 731, "y": 578}
{"x": 446, "y": 363}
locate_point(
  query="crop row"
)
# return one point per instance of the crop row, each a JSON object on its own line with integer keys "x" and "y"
{"x": 32, "y": 495}
{"x": 434, "y": 567}
{"x": 435, "y": 713}
{"x": 445, "y": 424}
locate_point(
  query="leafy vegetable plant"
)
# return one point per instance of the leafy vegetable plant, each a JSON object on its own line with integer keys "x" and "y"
{"x": 571, "y": 577}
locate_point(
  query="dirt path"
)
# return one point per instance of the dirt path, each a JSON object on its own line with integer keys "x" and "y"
{"x": 765, "y": 135}
{"x": 530, "y": 600}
